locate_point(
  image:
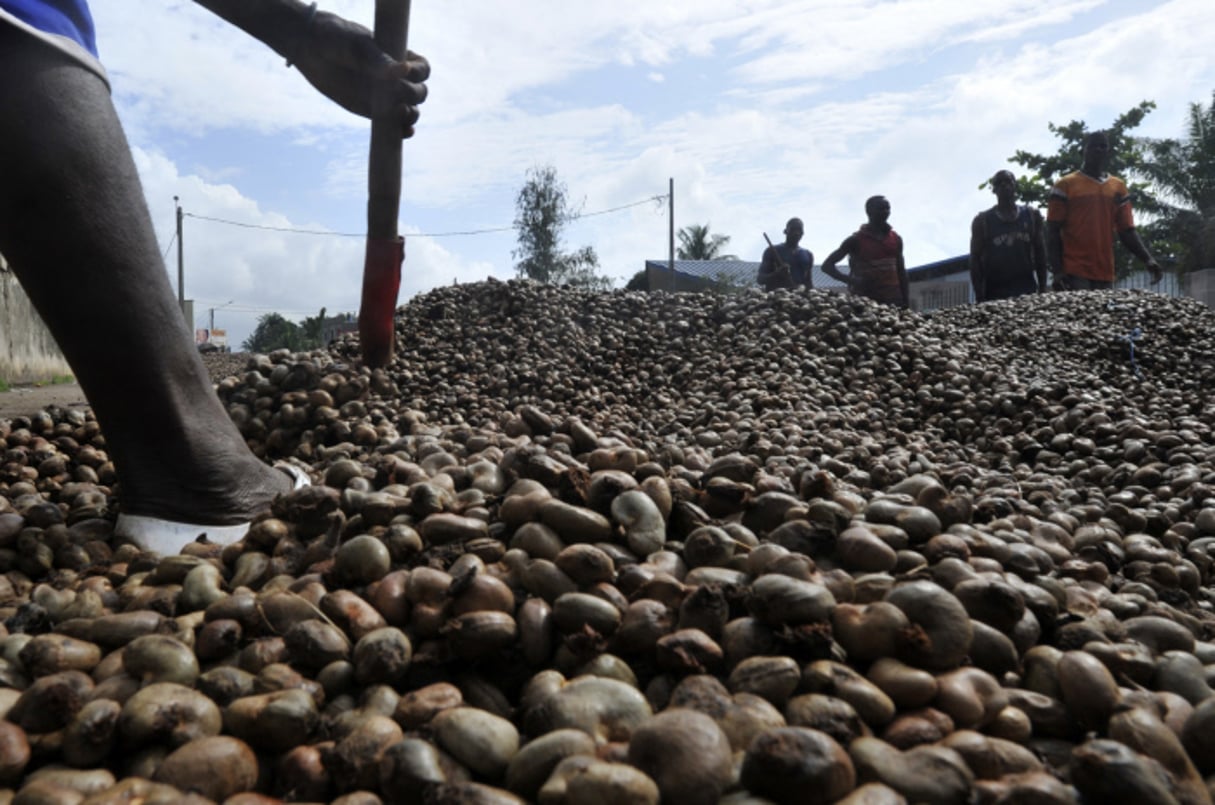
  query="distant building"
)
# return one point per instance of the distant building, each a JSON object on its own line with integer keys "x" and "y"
{"x": 945, "y": 283}
{"x": 334, "y": 327}
{"x": 1200, "y": 285}
{"x": 700, "y": 275}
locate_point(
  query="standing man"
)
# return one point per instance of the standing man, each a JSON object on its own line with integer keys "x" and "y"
{"x": 1007, "y": 250}
{"x": 1086, "y": 209}
{"x": 787, "y": 265}
{"x": 875, "y": 258}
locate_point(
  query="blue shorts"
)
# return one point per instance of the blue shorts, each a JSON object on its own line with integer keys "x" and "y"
{"x": 66, "y": 25}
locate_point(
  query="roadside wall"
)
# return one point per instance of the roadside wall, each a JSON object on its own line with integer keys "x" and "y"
{"x": 28, "y": 354}
{"x": 1201, "y": 285}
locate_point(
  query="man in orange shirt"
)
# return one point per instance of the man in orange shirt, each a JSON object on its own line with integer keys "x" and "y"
{"x": 1086, "y": 209}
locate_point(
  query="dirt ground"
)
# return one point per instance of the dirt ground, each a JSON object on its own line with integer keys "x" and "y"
{"x": 25, "y": 400}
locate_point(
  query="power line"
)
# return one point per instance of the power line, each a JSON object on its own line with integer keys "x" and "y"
{"x": 649, "y": 200}
{"x": 165, "y": 256}
{"x": 462, "y": 233}
{"x": 256, "y": 309}
{"x": 244, "y": 225}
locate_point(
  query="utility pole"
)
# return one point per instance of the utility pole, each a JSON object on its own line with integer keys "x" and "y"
{"x": 671, "y": 223}
{"x": 211, "y": 325}
{"x": 181, "y": 265}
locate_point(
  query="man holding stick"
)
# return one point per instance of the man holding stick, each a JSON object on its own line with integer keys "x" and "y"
{"x": 787, "y": 265}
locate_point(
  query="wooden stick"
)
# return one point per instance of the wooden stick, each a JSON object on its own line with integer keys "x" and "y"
{"x": 384, "y": 164}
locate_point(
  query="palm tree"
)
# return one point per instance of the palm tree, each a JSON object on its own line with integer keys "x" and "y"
{"x": 1184, "y": 174}
{"x": 695, "y": 243}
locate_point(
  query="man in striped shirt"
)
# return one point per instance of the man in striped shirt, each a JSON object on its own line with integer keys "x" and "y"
{"x": 875, "y": 258}
{"x": 1086, "y": 210}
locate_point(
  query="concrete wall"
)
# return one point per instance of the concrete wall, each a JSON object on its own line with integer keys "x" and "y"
{"x": 935, "y": 294}
{"x": 28, "y": 354}
{"x": 1201, "y": 285}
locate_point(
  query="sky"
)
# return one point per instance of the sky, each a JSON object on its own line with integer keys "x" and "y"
{"x": 759, "y": 110}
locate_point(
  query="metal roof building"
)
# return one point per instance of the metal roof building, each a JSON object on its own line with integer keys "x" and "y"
{"x": 700, "y": 275}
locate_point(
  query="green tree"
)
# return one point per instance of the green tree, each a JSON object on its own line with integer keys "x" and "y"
{"x": 1183, "y": 172}
{"x": 273, "y": 332}
{"x": 639, "y": 282}
{"x": 311, "y": 331}
{"x": 541, "y": 212}
{"x": 695, "y": 243}
{"x": 1128, "y": 156}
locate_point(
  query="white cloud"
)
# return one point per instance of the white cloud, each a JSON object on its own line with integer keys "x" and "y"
{"x": 249, "y": 270}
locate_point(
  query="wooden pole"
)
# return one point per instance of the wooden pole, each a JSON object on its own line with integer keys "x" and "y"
{"x": 671, "y": 233}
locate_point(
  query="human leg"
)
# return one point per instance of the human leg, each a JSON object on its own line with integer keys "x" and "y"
{"x": 75, "y": 228}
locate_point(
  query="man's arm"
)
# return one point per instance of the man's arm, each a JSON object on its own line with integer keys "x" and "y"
{"x": 1054, "y": 246}
{"x": 810, "y": 269}
{"x": 338, "y": 57}
{"x": 771, "y": 260}
{"x": 839, "y": 254}
{"x": 904, "y": 285}
{"x": 769, "y": 266}
{"x": 1131, "y": 240}
{"x": 280, "y": 24}
{"x": 977, "y": 275}
{"x": 1038, "y": 250}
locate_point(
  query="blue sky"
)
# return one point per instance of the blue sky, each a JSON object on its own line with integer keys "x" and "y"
{"x": 759, "y": 111}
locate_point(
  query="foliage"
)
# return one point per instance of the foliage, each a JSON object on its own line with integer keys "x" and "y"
{"x": 311, "y": 329}
{"x": 639, "y": 282}
{"x": 541, "y": 212}
{"x": 695, "y": 243}
{"x": 4, "y": 386}
{"x": 1183, "y": 171}
{"x": 1127, "y": 159}
{"x": 273, "y": 332}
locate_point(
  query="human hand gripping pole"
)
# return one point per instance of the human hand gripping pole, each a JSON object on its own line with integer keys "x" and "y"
{"x": 785, "y": 271}
{"x": 385, "y": 248}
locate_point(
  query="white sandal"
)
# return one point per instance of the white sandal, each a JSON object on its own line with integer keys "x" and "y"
{"x": 168, "y": 537}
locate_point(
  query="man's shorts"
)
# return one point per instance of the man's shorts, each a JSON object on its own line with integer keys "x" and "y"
{"x": 1071, "y": 282}
{"x": 65, "y": 25}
